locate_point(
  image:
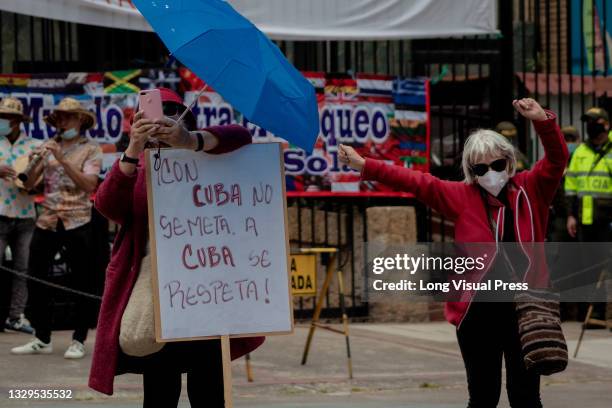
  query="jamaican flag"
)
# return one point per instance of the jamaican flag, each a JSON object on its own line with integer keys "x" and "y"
{"x": 122, "y": 82}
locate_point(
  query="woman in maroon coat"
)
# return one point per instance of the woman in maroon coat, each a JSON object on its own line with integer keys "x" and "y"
{"x": 122, "y": 198}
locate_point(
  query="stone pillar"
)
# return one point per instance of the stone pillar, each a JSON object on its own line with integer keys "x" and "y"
{"x": 394, "y": 226}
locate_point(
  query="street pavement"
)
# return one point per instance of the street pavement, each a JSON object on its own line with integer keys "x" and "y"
{"x": 395, "y": 365}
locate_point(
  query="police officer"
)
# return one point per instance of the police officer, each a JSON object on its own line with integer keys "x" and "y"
{"x": 509, "y": 131}
{"x": 588, "y": 187}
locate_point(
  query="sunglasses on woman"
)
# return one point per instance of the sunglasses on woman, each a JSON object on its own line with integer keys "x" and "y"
{"x": 481, "y": 169}
{"x": 172, "y": 109}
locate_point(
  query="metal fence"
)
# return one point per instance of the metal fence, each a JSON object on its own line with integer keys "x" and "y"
{"x": 341, "y": 223}
{"x": 38, "y": 45}
{"x": 557, "y": 51}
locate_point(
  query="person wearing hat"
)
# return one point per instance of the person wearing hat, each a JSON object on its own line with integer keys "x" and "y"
{"x": 17, "y": 213}
{"x": 122, "y": 198}
{"x": 70, "y": 170}
{"x": 588, "y": 189}
{"x": 509, "y": 131}
{"x": 572, "y": 138}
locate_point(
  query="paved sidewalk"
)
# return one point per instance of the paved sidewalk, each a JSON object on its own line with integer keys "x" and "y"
{"x": 395, "y": 365}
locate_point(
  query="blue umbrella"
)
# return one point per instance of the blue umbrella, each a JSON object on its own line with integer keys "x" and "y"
{"x": 230, "y": 54}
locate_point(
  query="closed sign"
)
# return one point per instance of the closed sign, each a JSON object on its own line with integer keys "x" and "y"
{"x": 303, "y": 275}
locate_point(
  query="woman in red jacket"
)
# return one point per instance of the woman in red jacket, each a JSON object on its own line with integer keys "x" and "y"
{"x": 492, "y": 204}
{"x": 122, "y": 198}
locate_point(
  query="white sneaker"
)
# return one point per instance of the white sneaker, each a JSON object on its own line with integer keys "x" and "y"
{"x": 34, "y": 347}
{"x": 76, "y": 350}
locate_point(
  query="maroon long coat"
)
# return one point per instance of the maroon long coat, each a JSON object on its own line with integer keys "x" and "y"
{"x": 123, "y": 199}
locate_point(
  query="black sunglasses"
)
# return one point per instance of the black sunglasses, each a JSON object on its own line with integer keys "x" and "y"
{"x": 481, "y": 169}
{"x": 172, "y": 109}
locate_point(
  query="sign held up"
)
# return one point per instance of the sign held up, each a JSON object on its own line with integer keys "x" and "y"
{"x": 219, "y": 243}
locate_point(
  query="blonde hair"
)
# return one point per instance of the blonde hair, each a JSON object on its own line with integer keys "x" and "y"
{"x": 486, "y": 143}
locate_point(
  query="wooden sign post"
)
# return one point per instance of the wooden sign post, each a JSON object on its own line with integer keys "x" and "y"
{"x": 590, "y": 321}
{"x": 219, "y": 246}
{"x": 319, "y": 306}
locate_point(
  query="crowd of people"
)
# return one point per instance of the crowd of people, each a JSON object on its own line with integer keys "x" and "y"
{"x": 65, "y": 172}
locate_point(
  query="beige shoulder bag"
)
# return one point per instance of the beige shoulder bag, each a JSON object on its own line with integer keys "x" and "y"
{"x": 137, "y": 333}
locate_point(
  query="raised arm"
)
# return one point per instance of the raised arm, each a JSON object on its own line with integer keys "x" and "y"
{"x": 115, "y": 194}
{"x": 214, "y": 139}
{"x": 446, "y": 197}
{"x": 547, "y": 173}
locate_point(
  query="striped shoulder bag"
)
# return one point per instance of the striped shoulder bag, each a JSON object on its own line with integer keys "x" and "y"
{"x": 539, "y": 324}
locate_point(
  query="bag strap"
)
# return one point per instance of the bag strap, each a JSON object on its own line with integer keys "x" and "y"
{"x": 486, "y": 208}
{"x": 602, "y": 153}
{"x": 504, "y": 255}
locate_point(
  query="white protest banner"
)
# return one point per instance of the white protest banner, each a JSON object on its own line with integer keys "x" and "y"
{"x": 219, "y": 243}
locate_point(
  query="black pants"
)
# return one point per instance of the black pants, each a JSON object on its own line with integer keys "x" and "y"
{"x": 488, "y": 332}
{"x": 78, "y": 250}
{"x": 600, "y": 231}
{"x": 162, "y": 385}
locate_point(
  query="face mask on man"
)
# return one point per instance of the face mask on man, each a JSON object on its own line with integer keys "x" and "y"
{"x": 5, "y": 127}
{"x": 493, "y": 181}
{"x": 70, "y": 134}
{"x": 571, "y": 147}
{"x": 594, "y": 129}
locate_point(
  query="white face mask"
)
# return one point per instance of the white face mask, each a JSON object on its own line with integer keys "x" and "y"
{"x": 70, "y": 134}
{"x": 5, "y": 127}
{"x": 493, "y": 181}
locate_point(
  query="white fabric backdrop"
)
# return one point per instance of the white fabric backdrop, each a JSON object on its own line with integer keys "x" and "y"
{"x": 301, "y": 19}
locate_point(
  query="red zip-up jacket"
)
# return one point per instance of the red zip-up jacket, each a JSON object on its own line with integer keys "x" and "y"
{"x": 529, "y": 194}
{"x": 123, "y": 199}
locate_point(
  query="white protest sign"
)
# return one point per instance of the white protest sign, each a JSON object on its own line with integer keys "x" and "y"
{"x": 219, "y": 243}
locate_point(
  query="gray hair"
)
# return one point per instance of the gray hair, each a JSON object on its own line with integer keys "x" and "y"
{"x": 486, "y": 143}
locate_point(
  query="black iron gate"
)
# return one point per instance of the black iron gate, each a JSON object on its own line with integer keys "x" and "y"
{"x": 474, "y": 80}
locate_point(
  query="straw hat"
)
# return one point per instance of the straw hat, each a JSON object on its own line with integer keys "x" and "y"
{"x": 71, "y": 105}
{"x": 13, "y": 106}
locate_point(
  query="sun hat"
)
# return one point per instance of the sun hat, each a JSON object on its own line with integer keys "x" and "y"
{"x": 71, "y": 105}
{"x": 14, "y": 107}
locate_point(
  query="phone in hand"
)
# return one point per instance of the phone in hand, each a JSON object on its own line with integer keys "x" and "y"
{"x": 150, "y": 103}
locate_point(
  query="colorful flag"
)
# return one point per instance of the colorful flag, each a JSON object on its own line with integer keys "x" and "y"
{"x": 375, "y": 88}
{"x": 189, "y": 80}
{"x": 122, "y": 81}
{"x": 317, "y": 79}
{"x": 158, "y": 78}
{"x": 340, "y": 88}
{"x": 409, "y": 92}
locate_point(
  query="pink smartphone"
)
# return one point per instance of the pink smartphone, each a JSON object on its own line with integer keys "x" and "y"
{"x": 150, "y": 103}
